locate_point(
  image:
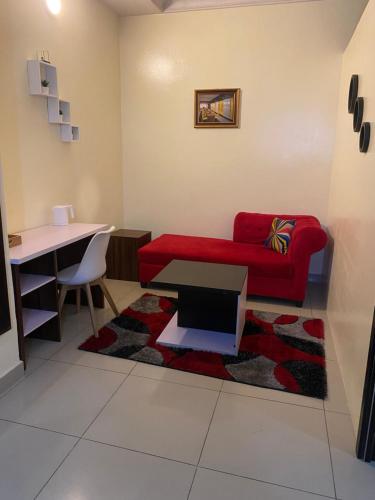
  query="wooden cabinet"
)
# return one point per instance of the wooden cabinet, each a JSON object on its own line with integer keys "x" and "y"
{"x": 122, "y": 259}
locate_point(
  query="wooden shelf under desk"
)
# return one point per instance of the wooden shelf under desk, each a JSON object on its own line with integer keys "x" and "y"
{"x": 32, "y": 319}
{"x": 36, "y": 300}
{"x": 31, "y": 282}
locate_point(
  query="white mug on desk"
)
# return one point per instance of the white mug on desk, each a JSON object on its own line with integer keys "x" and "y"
{"x": 61, "y": 214}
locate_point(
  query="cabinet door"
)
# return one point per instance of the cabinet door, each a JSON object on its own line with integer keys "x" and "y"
{"x": 4, "y": 301}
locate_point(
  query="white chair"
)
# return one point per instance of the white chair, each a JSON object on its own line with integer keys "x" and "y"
{"x": 88, "y": 272}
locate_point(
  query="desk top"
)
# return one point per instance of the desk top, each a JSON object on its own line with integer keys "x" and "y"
{"x": 45, "y": 239}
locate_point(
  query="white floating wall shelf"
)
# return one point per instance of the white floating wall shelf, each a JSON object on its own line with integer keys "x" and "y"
{"x": 39, "y": 71}
{"x": 69, "y": 133}
{"x": 58, "y": 109}
{"x": 56, "y": 105}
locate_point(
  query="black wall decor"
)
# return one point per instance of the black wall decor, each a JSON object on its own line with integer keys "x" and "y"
{"x": 353, "y": 93}
{"x": 358, "y": 114}
{"x": 356, "y": 106}
{"x": 364, "y": 138}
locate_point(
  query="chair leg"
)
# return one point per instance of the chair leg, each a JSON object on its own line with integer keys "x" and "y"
{"x": 62, "y": 296}
{"x": 78, "y": 299}
{"x": 108, "y": 296}
{"x": 91, "y": 307}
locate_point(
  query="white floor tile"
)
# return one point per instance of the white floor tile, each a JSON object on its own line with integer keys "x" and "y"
{"x": 336, "y": 400}
{"x": 160, "y": 418}
{"x": 60, "y": 397}
{"x": 274, "y": 442}
{"x": 28, "y": 457}
{"x": 269, "y": 305}
{"x": 96, "y": 472}
{"x": 319, "y": 313}
{"x": 44, "y": 349}
{"x": 355, "y": 480}
{"x": 71, "y": 354}
{"x": 212, "y": 485}
{"x": 131, "y": 297}
{"x": 177, "y": 376}
{"x": 270, "y": 394}
{"x": 119, "y": 288}
{"x": 33, "y": 364}
{"x": 71, "y": 325}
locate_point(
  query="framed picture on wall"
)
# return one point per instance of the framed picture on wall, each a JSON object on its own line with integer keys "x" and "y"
{"x": 216, "y": 108}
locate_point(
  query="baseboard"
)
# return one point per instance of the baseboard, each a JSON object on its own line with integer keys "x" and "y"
{"x": 10, "y": 378}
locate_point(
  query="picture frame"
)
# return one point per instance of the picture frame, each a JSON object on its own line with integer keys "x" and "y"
{"x": 216, "y": 108}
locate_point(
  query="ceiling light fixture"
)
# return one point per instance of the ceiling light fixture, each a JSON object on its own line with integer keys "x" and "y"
{"x": 54, "y": 6}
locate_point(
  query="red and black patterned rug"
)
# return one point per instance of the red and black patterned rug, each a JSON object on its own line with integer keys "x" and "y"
{"x": 277, "y": 351}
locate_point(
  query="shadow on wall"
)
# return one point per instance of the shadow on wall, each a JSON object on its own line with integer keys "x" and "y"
{"x": 320, "y": 270}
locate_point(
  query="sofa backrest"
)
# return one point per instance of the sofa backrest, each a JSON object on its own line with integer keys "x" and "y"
{"x": 254, "y": 227}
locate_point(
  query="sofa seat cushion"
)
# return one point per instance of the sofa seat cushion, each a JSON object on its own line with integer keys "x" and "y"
{"x": 261, "y": 261}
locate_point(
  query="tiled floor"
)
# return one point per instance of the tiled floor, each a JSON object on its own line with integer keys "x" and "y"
{"x": 86, "y": 426}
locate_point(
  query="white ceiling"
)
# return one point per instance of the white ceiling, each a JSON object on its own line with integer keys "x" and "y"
{"x": 139, "y": 7}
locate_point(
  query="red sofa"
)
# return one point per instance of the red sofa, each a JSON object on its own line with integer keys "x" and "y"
{"x": 271, "y": 274}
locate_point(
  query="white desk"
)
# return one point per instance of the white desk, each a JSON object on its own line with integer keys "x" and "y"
{"x": 45, "y": 239}
{"x": 35, "y": 264}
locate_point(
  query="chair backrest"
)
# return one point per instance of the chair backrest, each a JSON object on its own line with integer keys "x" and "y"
{"x": 93, "y": 264}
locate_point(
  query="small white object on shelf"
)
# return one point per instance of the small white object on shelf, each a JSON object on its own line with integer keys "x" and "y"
{"x": 61, "y": 214}
{"x": 34, "y": 318}
{"x": 38, "y": 71}
{"x": 69, "y": 133}
{"x": 31, "y": 282}
{"x": 56, "y": 105}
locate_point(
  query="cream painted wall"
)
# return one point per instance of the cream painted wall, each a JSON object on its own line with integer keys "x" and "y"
{"x": 352, "y": 220}
{"x": 40, "y": 170}
{"x": 285, "y": 58}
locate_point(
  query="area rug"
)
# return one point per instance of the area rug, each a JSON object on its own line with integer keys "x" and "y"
{"x": 277, "y": 351}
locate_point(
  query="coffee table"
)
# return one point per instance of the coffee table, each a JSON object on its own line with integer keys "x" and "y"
{"x": 211, "y": 306}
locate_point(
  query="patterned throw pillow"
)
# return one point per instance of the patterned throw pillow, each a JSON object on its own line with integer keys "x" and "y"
{"x": 280, "y": 235}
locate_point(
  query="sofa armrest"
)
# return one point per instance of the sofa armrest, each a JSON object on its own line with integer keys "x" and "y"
{"x": 306, "y": 240}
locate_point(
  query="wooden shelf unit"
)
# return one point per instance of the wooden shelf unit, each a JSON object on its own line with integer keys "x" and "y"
{"x": 31, "y": 282}
{"x": 36, "y": 300}
{"x": 32, "y": 319}
{"x": 122, "y": 254}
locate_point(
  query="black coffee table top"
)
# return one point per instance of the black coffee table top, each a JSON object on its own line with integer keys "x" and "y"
{"x": 188, "y": 274}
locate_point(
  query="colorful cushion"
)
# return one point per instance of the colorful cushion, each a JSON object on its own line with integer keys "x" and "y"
{"x": 280, "y": 235}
